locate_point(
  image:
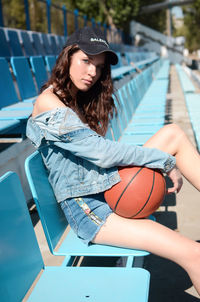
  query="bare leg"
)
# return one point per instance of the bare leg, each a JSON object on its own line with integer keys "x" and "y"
{"x": 173, "y": 140}
{"x": 155, "y": 238}
{"x": 152, "y": 236}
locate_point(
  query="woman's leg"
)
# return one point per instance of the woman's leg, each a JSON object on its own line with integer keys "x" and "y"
{"x": 173, "y": 140}
{"x": 151, "y": 236}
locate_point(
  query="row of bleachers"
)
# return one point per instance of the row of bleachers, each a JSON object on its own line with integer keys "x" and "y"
{"x": 20, "y": 82}
{"x": 141, "y": 104}
{"x": 27, "y": 43}
{"x": 192, "y": 99}
{"x": 128, "y": 63}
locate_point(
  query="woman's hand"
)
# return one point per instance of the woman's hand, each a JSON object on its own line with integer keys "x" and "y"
{"x": 176, "y": 178}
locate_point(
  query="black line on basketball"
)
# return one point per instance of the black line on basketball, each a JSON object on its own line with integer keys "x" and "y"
{"x": 127, "y": 187}
{"x": 153, "y": 183}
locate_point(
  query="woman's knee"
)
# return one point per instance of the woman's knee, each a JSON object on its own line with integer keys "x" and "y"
{"x": 173, "y": 130}
{"x": 166, "y": 139}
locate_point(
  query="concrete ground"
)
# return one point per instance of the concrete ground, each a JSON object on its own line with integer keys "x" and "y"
{"x": 181, "y": 212}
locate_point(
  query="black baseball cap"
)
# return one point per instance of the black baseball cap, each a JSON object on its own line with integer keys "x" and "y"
{"x": 92, "y": 41}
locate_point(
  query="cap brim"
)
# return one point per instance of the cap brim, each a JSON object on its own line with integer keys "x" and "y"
{"x": 113, "y": 58}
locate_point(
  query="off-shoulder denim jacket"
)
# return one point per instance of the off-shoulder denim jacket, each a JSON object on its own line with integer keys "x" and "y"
{"x": 81, "y": 162}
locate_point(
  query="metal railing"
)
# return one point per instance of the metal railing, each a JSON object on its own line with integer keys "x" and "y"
{"x": 52, "y": 18}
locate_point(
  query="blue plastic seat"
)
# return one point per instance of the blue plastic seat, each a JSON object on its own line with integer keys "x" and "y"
{"x": 15, "y": 43}
{"x": 8, "y": 92}
{"x": 27, "y": 44}
{"x": 50, "y": 62}
{"x": 39, "y": 47}
{"x": 24, "y": 78}
{"x": 21, "y": 114}
{"x": 7, "y": 126}
{"x": 54, "y": 46}
{"x": 39, "y": 70}
{"x": 186, "y": 83}
{"x": 61, "y": 41}
{"x": 119, "y": 72}
{"x": 4, "y": 49}
{"x": 9, "y": 98}
{"x": 47, "y": 44}
{"x": 21, "y": 262}
{"x": 13, "y": 112}
{"x": 54, "y": 222}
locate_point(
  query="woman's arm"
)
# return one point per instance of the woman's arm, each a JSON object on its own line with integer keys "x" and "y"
{"x": 105, "y": 153}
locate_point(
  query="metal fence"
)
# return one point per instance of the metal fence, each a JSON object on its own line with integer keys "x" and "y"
{"x": 45, "y": 16}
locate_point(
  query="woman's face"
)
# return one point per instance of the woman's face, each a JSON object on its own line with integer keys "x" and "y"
{"x": 85, "y": 70}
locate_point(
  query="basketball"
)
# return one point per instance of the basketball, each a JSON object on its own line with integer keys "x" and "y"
{"x": 139, "y": 193}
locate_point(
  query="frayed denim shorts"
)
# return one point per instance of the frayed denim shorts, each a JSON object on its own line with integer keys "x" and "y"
{"x": 86, "y": 215}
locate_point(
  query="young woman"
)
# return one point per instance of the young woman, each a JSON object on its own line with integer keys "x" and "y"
{"x": 68, "y": 124}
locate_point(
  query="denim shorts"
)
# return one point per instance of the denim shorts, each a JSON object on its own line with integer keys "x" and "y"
{"x": 86, "y": 215}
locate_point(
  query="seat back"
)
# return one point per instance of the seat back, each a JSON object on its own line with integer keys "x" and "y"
{"x": 38, "y": 44}
{"x": 50, "y": 62}
{"x": 61, "y": 41}
{"x": 47, "y": 45}
{"x": 4, "y": 49}
{"x": 24, "y": 77}
{"x": 54, "y": 45}
{"x": 15, "y": 43}
{"x": 39, "y": 70}
{"x": 28, "y": 47}
{"x": 52, "y": 218}
{"x": 115, "y": 123}
{"x": 8, "y": 92}
{"x": 20, "y": 260}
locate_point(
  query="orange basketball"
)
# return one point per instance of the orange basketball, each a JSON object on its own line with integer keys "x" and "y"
{"x": 139, "y": 193}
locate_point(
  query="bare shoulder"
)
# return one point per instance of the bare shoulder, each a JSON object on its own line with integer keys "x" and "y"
{"x": 46, "y": 101}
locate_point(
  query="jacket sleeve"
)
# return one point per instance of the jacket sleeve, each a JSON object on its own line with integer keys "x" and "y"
{"x": 64, "y": 129}
{"x": 105, "y": 153}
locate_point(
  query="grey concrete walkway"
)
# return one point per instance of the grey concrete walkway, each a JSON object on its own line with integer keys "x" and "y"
{"x": 169, "y": 283}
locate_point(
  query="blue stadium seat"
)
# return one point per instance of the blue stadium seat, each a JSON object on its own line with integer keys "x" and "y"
{"x": 54, "y": 222}
{"x": 8, "y": 126}
{"x": 54, "y": 45}
{"x": 13, "y": 113}
{"x": 39, "y": 47}
{"x": 15, "y": 43}
{"x": 39, "y": 70}
{"x": 9, "y": 98}
{"x": 24, "y": 78}
{"x": 21, "y": 263}
{"x": 8, "y": 92}
{"x": 50, "y": 62}
{"x": 27, "y": 44}
{"x": 4, "y": 49}
{"x": 61, "y": 41}
{"x": 47, "y": 44}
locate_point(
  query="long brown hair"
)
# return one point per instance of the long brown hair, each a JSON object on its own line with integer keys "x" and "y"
{"x": 94, "y": 107}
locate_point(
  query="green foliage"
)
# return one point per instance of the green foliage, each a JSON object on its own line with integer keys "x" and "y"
{"x": 155, "y": 20}
{"x": 116, "y": 13}
{"x": 192, "y": 25}
{"x": 119, "y": 13}
{"x": 13, "y": 12}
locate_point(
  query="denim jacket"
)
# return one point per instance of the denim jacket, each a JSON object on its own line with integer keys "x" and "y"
{"x": 80, "y": 161}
